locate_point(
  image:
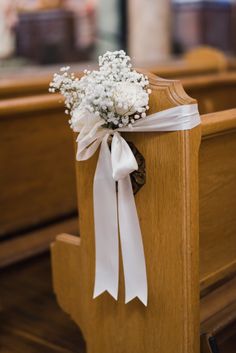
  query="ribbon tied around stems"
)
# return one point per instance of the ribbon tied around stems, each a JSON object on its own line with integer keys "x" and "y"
{"x": 115, "y": 212}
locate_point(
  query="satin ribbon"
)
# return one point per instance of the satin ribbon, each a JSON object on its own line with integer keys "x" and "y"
{"x": 115, "y": 213}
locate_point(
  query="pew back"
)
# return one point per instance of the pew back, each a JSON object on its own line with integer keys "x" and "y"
{"x": 207, "y": 56}
{"x": 217, "y": 187}
{"x": 36, "y": 166}
{"x": 202, "y": 60}
{"x": 213, "y": 92}
{"x": 199, "y": 62}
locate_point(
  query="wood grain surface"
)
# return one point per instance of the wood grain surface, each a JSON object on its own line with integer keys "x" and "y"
{"x": 213, "y": 92}
{"x": 29, "y": 244}
{"x": 217, "y": 208}
{"x": 37, "y": 165}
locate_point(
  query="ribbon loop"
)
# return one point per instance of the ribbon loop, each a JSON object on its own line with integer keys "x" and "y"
{"x": 122, "y": 158}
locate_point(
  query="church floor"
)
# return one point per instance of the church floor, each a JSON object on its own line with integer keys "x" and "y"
{"x": 30, "y": 319}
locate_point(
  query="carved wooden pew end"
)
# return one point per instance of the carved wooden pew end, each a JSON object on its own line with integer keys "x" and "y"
{"x": 170, "y": 231}
{"x": 169, "y": 216}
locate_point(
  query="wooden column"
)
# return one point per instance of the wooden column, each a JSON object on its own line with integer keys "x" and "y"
{"x": 168, "y": 211}
{"x": 149, "y": 29}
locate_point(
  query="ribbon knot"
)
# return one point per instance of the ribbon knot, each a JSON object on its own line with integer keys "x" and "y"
{"x": 115, "y": 212}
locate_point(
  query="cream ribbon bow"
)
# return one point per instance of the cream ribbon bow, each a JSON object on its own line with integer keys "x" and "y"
{"x": 115, "y": 213}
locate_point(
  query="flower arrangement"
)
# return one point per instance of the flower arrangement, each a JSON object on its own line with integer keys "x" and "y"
{"x": 114, "y": 96}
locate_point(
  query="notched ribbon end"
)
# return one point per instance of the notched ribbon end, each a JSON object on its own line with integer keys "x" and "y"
{"x": 97, "y": 293}
{"x": 142, "y": 298}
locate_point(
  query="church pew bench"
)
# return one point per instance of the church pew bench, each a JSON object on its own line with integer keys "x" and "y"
{"x": 37, "y": 194}
{"x": 32, "y": 121}
{"x": 217, "y": 209}
{"x": 213, "y": 92}
{"x": 197, "y": 62}
{"x": 189, "y": 232}
{"x": 203, "y": 60}
{"x": 24, "y": 86}
{"x": 39, "y": 83}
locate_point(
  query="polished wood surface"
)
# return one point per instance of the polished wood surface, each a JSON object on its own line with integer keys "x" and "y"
{"x": 18, "y": 87}
{"x": 217, "y": 180}
{"x": 39, "y": 83}
{"x": 213, "y": 92}
{"x": 170, "y": 322}
{"x": 218, "y": 123}
{"x": 218, "y": 319}
{"x": 37, "y": 166}
{"x": 16, "y": 248}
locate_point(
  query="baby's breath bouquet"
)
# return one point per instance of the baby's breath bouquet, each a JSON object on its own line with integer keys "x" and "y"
{"x": 114, "y": 96}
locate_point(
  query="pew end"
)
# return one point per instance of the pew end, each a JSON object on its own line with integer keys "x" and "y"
{"x": 172, "y": 249}
{"x": 211, "y": 58}
{"x": 166, "y": 325}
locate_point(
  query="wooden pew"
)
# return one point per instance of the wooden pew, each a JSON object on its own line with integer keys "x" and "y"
{"x": 30, "y": 84}
{"x": 37, "y": 194}
{"x": 196, "y": 62}
{"x": 37, "y": 119}
{"x": 24, "y": 86}
{"x": 30, "y": 121}
{"x": 213, "y": 92}
{"x": 197, "y": 199}
{"x": 207, "y": 56}
{"x": 217, "y": 206}
{"x": 200, "y": 61}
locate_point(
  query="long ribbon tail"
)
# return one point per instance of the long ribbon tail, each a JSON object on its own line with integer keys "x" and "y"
{"x": 131, "y": 244}
{"x": 106, "y": 226}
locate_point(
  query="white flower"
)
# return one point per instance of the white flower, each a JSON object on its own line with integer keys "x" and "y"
{"x": 113, "y": 96}
{"x": 83, "y": 119}
{"x": 128, "y": 98}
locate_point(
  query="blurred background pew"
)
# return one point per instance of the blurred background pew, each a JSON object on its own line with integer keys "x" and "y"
{"x": 213, "y": 92}
{"x": 37, "y": 176}
{"x": 197, "y": 62}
